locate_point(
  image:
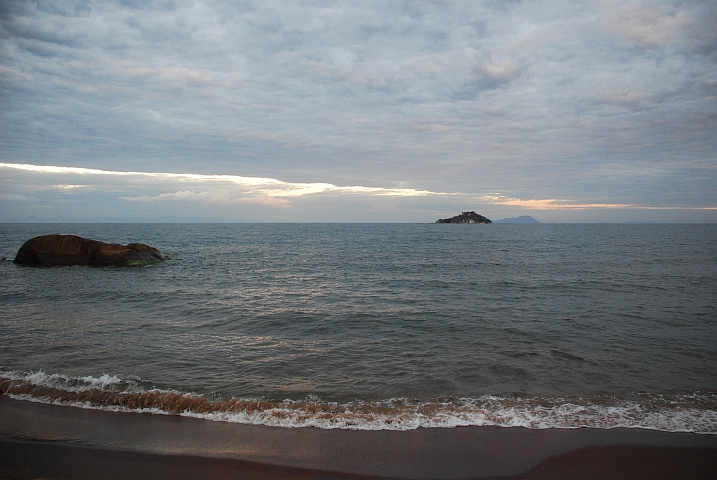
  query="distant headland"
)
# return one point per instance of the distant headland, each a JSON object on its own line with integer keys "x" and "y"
{"x": 465, "y": 217}
{"x": 521, "y": 219}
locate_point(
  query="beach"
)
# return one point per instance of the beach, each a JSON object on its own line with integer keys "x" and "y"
{"x": 41, "y": 440}
{"x": 415, "y": 240}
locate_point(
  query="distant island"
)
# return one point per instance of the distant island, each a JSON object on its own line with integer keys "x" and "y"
{"x": 521, "y": 219}
{"x": 465, "y": 217}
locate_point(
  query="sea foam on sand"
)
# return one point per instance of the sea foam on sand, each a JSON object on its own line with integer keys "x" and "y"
{"x": 694, "y": 412}
{"x": 423, "y": 453}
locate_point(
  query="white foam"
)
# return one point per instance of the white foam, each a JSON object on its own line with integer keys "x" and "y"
{"x": 62, "y": 382}
{"x": 501, "y": 414}
{"x": 695, "y": 412}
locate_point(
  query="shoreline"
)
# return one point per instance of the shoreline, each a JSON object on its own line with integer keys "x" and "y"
{"x": 137, "y": 440}
{"x": 32, "y": 460}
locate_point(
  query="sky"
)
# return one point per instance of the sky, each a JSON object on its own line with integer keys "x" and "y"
{"x": 357, "y": 111}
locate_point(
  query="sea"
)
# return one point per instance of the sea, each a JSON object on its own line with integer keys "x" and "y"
{"x": 375, "y": 326}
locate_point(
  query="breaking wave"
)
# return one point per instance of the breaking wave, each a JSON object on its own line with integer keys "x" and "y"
{"x": 695, "y": 412}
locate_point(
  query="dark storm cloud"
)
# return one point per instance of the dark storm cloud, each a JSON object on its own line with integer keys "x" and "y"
{"x": 604, "y": 102}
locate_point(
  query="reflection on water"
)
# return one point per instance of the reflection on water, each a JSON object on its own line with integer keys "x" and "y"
{"x": 369, "y": 313}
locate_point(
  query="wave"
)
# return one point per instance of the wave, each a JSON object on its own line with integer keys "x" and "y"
{"x": 695, "y": 412}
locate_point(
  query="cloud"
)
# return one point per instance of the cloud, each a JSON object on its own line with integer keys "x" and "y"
{"x": 659, "y": 24}
{"x": 549, "y": 204}
{"x": 65, "y": 9}
{"x": 226, "y": 190}
{"x": 14, "y": 197}
{"x": 628, "y": 98}
{"x": 643, "y": 25}
{"x": 558, "y": 204}
{"x": 264, "y": 201}
{"x": 498, "y": 74}
{"x": 215, "y": 197}
{"x": 172, "y": 196}
{"x": 600, "y": 102}
{"x": 214, "y": 189}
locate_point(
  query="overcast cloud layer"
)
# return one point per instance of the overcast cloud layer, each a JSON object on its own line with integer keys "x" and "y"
{"x": 567, "y": 111}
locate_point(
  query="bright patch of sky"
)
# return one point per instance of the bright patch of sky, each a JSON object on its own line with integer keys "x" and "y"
{"x": 358, "y": 111}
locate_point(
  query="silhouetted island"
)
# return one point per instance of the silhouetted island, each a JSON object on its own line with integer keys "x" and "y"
{"x": 521, "y": 219}
{"x": 465, "y": 217}
{"x": 56, "y": 250}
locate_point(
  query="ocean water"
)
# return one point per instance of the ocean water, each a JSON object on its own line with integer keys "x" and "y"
{"x": 375, "y": 326}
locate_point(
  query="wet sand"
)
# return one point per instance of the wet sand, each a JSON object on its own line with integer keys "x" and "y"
{"x": 26, "y": 460}
{"x": 53, "y": 441}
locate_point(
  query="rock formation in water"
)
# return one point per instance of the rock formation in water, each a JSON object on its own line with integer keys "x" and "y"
{"x": 465, "y": 217}
{"x": 55, "y": 250}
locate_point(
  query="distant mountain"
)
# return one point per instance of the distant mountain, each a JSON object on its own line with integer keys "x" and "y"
{"x": 521, "y": 219}
{"x": 465, "y": 217}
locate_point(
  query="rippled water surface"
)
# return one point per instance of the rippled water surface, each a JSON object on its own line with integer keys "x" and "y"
{"x": 422, "y": 321}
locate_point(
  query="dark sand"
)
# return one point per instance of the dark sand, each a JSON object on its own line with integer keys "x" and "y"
{"x": 27, "y": 460}
{"x": 49, "y": 441}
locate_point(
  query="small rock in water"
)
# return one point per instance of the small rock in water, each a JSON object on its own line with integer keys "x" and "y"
{"x": 56, "y": 250}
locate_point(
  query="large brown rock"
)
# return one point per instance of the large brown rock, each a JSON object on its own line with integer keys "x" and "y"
{"x": 54, "y": 250}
